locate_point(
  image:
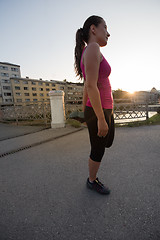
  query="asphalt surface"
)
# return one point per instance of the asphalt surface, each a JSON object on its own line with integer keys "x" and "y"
{"x": 8, "y": 131}
{"x": 34, "y": 138}
{"x": 43, "y": 192}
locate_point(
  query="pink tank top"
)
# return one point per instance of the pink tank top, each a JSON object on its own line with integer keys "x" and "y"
{"x": 103, "y": 84}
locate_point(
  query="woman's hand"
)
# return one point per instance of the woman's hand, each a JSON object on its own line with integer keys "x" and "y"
{"x": 102, "y": 128}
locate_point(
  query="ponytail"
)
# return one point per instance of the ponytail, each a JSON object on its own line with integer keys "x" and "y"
{"x": 82, "y": 37}
{"x": 80, "y": 44}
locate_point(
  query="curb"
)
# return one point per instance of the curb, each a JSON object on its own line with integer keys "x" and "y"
{"x": 23, "y": 134}
{"x": 38, "y": 143}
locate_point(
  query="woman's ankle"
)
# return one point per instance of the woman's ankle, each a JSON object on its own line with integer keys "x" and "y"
{"x": 92, "y": 179}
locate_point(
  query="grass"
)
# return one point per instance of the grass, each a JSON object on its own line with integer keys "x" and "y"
{"x": 73, "y": 123}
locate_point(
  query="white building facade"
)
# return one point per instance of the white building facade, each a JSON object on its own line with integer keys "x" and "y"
{"x": 7, "y": 71}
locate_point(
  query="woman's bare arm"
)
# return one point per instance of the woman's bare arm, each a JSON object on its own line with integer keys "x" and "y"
{"x": 85, "y": 96}
{"x": 92, "y": 63}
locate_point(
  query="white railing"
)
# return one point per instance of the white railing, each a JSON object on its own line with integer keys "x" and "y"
{"x": 39, "y": 110}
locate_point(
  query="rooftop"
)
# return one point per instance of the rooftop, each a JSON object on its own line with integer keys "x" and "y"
{"x": 6, "y": 63}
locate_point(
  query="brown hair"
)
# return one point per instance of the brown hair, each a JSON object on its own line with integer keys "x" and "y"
{"x": 82, "y": 36}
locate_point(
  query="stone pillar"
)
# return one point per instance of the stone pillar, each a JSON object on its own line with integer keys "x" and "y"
{"x": 57, "y": 108}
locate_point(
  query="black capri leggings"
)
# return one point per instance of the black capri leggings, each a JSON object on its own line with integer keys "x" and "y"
{"x": 98, "y": 144}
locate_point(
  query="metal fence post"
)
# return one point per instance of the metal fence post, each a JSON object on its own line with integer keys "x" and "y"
{"x": 147, "y": 110}
{"x": 44, "y": 113}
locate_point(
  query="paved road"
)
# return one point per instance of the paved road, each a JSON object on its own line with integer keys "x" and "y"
{"x": 9, "y": 131}
{"x": 43, "y": 195}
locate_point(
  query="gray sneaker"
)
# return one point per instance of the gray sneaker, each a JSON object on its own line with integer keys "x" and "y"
{"x": 98, "y": 186}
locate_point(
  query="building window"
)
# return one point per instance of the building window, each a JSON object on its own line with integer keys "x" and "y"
{"x": 27, "y": 100}
{"x": 16, "y": 81}
{"x": 53, "y": 84}
{"x": 53, "y": 89}
{"x": 8, "y": 100}
{"x": 47, "y": 94}
{"x": 5, "y": 74}
{"x": 17, "y": 88}
{"x": 5, "y": 81}
{"x": 26, "y": 94}
{"x": 47, "y": 89}
{"x": 62, "y": 88}
{"x": 3, "y": 68}
{"x": 7, "y": 94}
{"x": 41, "y": 94}
{"x": 19, "y": 100}
{"x": 33, "y": 83}
{"x": 15, "y": 75}
{"x": 25, "y": 88}
{"x": 41, "y": 89}
{"x": 40, "y": 83}
{"x": 14, "y": 69}
{"x": 47, "y": 84}
{"x": 35, "y": 99}
{"x": 6, "y": 87}
{"x": 69, "y": 88}
{"x": 18, "y": 94}
{"x": 34, "y": 94}
{"x": 25, "y": 82}
{"x": 33, "y": 88}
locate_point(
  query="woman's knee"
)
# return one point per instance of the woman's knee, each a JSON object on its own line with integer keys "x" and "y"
{"x": 97, "y": 154}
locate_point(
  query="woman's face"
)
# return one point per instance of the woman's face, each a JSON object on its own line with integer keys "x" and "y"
{"x": 102, "y": 34}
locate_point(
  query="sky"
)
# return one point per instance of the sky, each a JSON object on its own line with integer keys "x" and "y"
{"x": 39, "y": 35}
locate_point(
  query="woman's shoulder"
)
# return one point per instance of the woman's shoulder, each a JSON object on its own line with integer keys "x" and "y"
{"x": 92, "y": 48}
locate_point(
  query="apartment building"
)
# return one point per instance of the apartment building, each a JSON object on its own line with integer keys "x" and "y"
{"x": 74, "y": 92}
{"x": 15, "y": 89}
{"x": 150, "y": 96}
{"x": 7, "y": 70}
{"x": 26, "y": 89}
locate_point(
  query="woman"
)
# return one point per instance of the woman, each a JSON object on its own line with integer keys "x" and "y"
{"x": 97, "y": 93}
